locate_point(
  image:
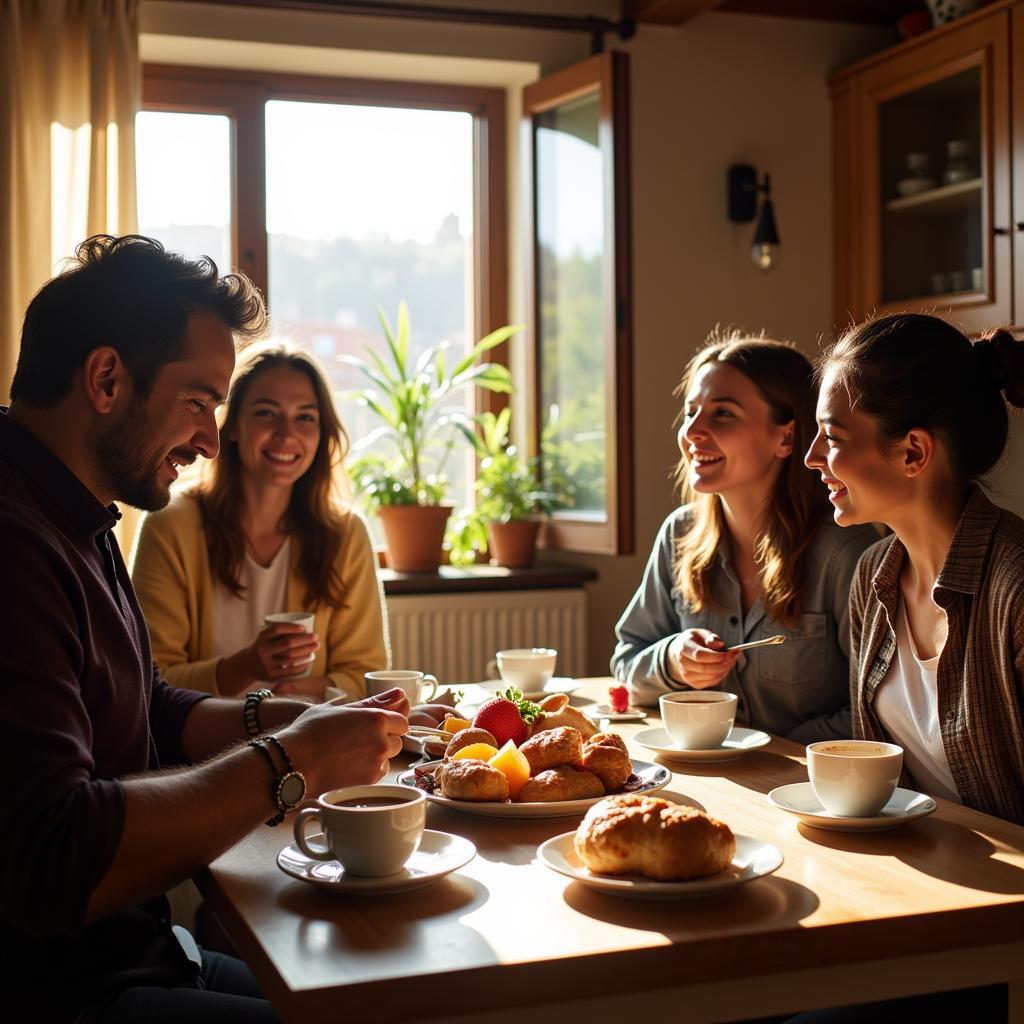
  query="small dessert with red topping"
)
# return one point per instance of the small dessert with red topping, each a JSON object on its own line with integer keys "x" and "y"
{"x": 619, "y": 698}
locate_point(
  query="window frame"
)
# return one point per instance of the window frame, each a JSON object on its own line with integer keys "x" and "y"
{"x": 242, "y": 96}
{"x": 606, "y": 74}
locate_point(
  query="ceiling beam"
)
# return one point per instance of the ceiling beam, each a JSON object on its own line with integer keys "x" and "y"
{"x": 667, "y": 12}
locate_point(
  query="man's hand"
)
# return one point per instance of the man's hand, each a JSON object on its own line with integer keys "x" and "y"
{"x": 337, "y": 744}
{"x": 697, "y": 657}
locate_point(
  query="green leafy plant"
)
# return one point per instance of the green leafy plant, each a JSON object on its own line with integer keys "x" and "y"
{"x": 507, "y": 489}
{"x": 419, "y": 416}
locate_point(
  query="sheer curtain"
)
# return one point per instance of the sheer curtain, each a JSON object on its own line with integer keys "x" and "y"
{"x": 69, "y": 92}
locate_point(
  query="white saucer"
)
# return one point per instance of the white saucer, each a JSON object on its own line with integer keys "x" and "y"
{"x": 599, "y": 711}
{"x": 754, "y": 858}
{"x": 556, "y": 684}
{"x": 652, "y": 778}
{"x": 736, "y": 744}
{"x": 799, "y": 799}
{"x": 439, "y": 855}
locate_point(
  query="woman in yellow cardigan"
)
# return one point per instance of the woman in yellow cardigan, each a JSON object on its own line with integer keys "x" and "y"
{"x": 265, "y": 532}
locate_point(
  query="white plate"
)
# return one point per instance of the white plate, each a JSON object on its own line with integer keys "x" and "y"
{"x": 736, "y": 744}
{"x": 439, "y": 855}
{"x": 556, "y": 684}
{"x": 754, "y": 858}
{"x": 653, "y": 777}
{"x": 599, "y": 711}
{"x": 799, "y": 799}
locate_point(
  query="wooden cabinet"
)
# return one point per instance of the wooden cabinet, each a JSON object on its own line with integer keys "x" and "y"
{"x": 929, "y": 174}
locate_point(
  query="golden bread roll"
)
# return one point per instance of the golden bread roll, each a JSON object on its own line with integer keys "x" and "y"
{"x": 563, "y": 716}
{"x": 464, "y": 737}
{"x": 469, "y": 779}
{"x": 645, "y": 835}
{"x": 561, "y": 783}
{"x": 552, "y": 748}
{"x": 606, "y": 756}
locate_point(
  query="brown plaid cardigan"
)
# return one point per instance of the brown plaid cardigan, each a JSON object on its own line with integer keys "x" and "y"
{"x": 980, "y": 676}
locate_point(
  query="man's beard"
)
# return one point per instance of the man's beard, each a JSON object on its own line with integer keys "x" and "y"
{"x": 132, "y": 466}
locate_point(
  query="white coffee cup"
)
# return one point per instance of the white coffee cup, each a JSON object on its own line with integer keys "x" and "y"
{"x": 370, "y": 830}
{"x": 526, "y": 668}
{"x": 409, "y": 680}
{"x": 854, "y": 778}
{"x": 698, "y": 719}
{"x": 303, "y": 619}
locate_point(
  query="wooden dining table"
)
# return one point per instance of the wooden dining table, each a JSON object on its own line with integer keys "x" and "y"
{"x": 934, "y": 904}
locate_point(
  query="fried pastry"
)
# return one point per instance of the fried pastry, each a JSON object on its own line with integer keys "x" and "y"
{"x": 558, "y": 714}
{"x": 552, "y": 748}
{"x": 606, "y": 756}
{"x": 645, "y": 835}
{"x": 469, "y": 779}
{"x": 561, "y": 783}
{"x": 464, "y": 737}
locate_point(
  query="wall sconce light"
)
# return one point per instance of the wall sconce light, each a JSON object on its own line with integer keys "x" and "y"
{"x": 743, "y": 190}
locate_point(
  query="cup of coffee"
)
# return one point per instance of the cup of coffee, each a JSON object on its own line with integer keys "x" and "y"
{"x": 370, "y": 830}
{"x": 854, "y": 778}
{"x": 526, "y": 668}
{"x": 698, "y": 719}
{"x": 412, "y": 682}
{"x": 303, "y": 619}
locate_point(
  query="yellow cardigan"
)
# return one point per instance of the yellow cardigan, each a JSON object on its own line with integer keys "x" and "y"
{"x": 171, "y": 573}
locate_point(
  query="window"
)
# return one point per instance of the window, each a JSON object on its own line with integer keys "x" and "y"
{"x": 577, "y": 132}
{"x": 342, "y": 196}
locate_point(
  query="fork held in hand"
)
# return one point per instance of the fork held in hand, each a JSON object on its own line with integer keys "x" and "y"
{"x": 767, "y": 642}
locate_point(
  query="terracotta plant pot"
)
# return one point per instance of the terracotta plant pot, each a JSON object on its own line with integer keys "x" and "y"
{"x": 414, "y": 535}
{"x": 514, "y": 544}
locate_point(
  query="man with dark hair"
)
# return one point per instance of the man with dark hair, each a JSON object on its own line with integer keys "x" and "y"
{"x": 124, "y": 359}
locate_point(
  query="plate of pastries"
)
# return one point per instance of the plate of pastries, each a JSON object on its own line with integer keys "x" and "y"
{"x": 644, "y": 847}
{"x": 552, "y": 773}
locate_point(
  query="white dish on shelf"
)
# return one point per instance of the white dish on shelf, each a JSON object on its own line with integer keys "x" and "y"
{"x": 739, "y": 742}
{"x": 798, "y": 799}
{"x": 754, "y": 858}
{"x": 652, "y": 778}
{"x": 439, "y": 854}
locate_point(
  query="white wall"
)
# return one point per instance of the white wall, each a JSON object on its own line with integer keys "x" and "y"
{"x": 716, "y": 90}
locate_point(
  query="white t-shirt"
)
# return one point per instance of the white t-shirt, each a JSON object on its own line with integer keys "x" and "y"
{"x": 907, "y": 705}
{"x": 237, "y": 620}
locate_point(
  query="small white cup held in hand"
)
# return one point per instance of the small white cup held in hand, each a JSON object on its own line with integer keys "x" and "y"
{"x": 370, "y": 830}
{"x": 854, "y": 778}
{"x": 698, "y": 719}
{"x": 526, "y": 668}
{"x": 413, "y": 683}
{"x": 303, "y": 619}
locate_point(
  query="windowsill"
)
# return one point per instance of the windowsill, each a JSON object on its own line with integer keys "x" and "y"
{"x": 483, "y": 578}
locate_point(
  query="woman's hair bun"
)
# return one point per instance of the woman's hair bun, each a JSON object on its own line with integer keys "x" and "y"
{"x": 1003, "y": 359}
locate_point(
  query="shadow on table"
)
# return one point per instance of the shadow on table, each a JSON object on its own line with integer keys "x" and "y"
{"x": 387, "y": 923}
{"x": 942, "y": 849}
{"x": 774, "y": 899}
{"x": 760, "y": 770}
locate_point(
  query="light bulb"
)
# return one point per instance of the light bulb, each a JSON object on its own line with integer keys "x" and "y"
{"x": 765, "y": 255}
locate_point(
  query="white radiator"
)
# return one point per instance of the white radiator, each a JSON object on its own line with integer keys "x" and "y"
{"x": 455, "y": 635}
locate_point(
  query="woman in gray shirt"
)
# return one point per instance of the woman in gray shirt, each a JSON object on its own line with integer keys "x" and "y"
{"x": 752, "y": 553}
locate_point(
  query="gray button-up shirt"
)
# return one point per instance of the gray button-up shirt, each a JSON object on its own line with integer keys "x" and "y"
{"x": 799, "y": 689}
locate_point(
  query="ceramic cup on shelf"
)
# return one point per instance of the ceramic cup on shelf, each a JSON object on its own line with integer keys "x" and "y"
{"x": 303, "y": 619}
{"x": 414, "y": 683}
{"x": 854, "y": 778}
{"x": 944, "y": 11}
{"x": 698, "y": 719}
{"x": 958, "y": 162}
{"x": 918, "y": 177}
{"x": 960, "y": 281}
{"x": 940, "y": 283}
{"x": 369, "y": 830}
{"x": 526, "y": 668}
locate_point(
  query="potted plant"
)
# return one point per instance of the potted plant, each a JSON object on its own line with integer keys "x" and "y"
{"x": 508, "y": 501}
{"x": 414, "y": 401}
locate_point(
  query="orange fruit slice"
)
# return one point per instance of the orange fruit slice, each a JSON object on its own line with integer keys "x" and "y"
{"x": 453, "y": 724}
{"x": 478, "y": 751}
{"x": 512, "y": 763}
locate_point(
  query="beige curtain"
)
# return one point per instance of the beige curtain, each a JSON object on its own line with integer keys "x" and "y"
{"x": 69, "y": 91}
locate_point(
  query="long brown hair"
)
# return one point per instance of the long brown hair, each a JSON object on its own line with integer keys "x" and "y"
{"x": 785, "y": 380}
{"x": 313, "y": 513}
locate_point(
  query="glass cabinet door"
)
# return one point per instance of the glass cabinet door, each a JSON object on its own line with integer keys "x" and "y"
{"x": 936, "y": 174}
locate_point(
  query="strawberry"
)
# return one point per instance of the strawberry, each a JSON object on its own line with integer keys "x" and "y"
{"x": 619, "y": 697}
{"x": 506, "y": 717}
